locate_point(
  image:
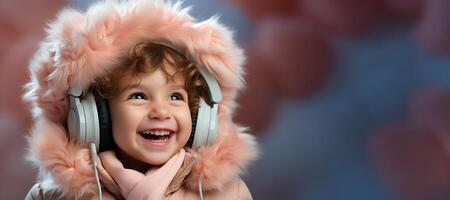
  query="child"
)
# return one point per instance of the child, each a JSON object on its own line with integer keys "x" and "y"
{"x": 154, "y": 67}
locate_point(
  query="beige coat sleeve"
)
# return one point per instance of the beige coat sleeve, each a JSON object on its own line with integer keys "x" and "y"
{"x": 235, "y": 190}
{"x": 37, "y": 193}
{"x": 34, "y": 193}
{"x": 243, "y": 192}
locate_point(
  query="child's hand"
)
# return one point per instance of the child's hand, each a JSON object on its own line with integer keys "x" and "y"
{"x": 135, "y": 185}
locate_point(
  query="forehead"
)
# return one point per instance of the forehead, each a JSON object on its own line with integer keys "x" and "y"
{"x": 169, "y": 74}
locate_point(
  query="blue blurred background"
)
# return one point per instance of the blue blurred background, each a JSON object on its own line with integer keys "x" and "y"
{"x": 317, "y": 144}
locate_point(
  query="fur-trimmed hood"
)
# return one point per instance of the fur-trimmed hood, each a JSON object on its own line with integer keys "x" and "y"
{"x": 82, "y": 46}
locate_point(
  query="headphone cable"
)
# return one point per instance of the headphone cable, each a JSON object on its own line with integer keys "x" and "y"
{"x": 200, "y": 191}
{"x": 94, "y": 164}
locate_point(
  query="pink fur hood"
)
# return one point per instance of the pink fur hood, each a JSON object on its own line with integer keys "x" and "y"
{"x": 82, "y": 46}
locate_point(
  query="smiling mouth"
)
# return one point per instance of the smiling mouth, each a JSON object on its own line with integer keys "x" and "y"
{"x": 157, "y": 136}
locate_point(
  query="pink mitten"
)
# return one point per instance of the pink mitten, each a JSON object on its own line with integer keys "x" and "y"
{"x": 135, "y": 185}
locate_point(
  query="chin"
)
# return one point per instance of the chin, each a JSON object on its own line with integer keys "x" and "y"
{"x": 158, "y": 158}
{"x": 157, "y": 161}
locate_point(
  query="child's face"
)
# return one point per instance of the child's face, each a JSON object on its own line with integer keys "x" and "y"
{"x": 152, "y": 121}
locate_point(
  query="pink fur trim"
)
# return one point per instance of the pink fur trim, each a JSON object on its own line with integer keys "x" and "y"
{"x": 69, "y": 165}
{"x": 224, "y": 160}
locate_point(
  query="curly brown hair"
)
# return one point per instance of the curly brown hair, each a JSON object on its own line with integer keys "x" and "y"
{"x": 148, "y": 57}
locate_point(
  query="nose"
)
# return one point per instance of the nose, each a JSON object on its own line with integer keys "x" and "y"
{"x": 159, "y": 112}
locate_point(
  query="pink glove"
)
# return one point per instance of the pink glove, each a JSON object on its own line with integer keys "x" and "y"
{"x": 136, "y": 186}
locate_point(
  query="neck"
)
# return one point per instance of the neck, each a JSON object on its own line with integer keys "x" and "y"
{"x": 131, "y": 163}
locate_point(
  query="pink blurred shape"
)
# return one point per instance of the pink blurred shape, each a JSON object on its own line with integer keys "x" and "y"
{"x": 28, "y": 15}
{"x": 14, "y": 74}
{"x": 433, "y": 30}
{"x": 9, "y": 32}
{"x": 22, "y": 25}
{"x": 17, "y": 177}
{"x": 258, "y": 102}
{"x": 431, "y": 108}
{"x": 299, "y": 56}
{"x": 412, "y": 161}
{"x": 342, "y": 17}
{"x": 405, "y": 7}
{"x": 258, "y": 9}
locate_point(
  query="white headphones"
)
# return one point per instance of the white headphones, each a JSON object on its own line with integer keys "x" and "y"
{"x": 89, "y": 118}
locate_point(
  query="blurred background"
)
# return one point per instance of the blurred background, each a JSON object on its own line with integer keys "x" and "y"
{"x": 349, "y": 99}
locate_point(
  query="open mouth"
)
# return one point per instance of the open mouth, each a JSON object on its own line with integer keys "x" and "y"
{"x": 157, "y": 136}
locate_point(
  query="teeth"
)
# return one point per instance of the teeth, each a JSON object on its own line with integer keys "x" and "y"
{"x": 158, "y": 133}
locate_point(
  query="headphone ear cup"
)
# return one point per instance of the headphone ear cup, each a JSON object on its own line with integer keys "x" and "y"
{"x": 76, "y": 120}
{"x": 105, "y": 126}
{"x": 89, "y": 122}
{"x": 83, "y": 121}
{"x": 205, "y": 125}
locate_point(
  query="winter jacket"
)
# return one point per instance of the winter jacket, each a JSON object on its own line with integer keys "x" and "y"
{"x": 81, "y": 47}
{"x": 235, "y": 189}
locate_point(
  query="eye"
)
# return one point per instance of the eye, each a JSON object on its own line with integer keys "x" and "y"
{"x": 138, "y": 95}
{"x": 176, "y": 97}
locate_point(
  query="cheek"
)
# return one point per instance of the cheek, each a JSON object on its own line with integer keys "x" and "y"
{"x": 185, "y": 120}
{"x": 124, "y": 121}
{"x": 118, "y": 124}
